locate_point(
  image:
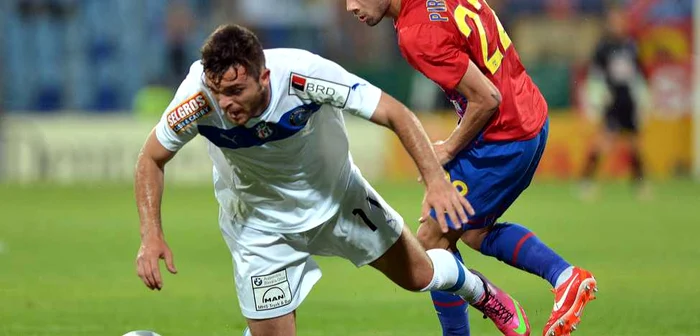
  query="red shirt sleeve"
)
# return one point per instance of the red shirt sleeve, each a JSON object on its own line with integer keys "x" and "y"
{"x": 435, "y": 52}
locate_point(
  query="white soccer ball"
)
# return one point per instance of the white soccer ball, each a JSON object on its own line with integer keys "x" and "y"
{"x": 141, "y": 333}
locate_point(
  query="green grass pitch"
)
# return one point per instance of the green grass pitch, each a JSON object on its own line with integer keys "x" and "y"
{"x": 67, "y": 266}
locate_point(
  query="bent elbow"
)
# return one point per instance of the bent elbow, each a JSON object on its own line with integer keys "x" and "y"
{"x": 491, "y": 102}
{"x": 495, "y": 100}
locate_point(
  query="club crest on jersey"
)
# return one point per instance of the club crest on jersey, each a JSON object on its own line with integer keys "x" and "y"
{"x": 263, "y": 130}
{"x": 318, "y": 90}
{"x": 183, "y": 115}
{"x": 299, "y": 116}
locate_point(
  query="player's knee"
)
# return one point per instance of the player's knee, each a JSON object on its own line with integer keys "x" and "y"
{"x": 431, "y": 238}
{"x": 474, "y": 238}
{"x": 424, "y": 236}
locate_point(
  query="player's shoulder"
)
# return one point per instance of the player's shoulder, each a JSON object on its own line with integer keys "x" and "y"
{"x": 307, "y": 78}
{"x": 290, "y": 59}
{"x": 420, "y": 14}
{"x": 284, "y": 64}
{"x": 296, "y": 66}
{"x": 191, "y": 102}
{"x": 425, "y": 24}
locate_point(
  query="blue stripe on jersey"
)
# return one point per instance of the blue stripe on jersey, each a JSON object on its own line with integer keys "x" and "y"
{"x": 289, "y": 124}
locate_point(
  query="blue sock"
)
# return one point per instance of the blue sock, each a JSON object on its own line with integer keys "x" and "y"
{"x": 452, "y": 311}
{"x": 519, "y": 247}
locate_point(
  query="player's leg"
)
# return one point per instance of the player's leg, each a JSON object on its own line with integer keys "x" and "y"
{"x": 634, "y": 144}
{"x": 515, "y": 244}
{"x": 593, "y": 157}
{"x": 601, "y": 145}
{"x": 638, "y": 177}
{"x": 518, "y": 246}
{"x": 511, "y": 167}
{"x": 369, "y": 231}
{"x": 606, "y": 136}
{"x": 637, "y": 166}
{"x": 451, "y": 309}
{"x": 273, "y": 273}
{"x": 284, "y": 325}
{"x": 514, "y": 165}
{"x": 491, "y": 190}
{"x": 506, "y": 313}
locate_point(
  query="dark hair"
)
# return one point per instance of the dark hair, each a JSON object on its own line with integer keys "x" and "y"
{"x": 229, "y": 46}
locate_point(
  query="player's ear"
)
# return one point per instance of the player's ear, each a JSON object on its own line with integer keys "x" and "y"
{"x": 265, "y": 77}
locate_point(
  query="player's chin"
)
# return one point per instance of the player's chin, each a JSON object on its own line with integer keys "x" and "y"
{"x": 239, "y": 119}
{"x": 373, "y": 22}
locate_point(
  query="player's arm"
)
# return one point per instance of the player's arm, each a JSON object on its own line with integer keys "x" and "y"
{"x": 174, "y": 130}
{"x": 484, "y": 99}
{"x": 596, "y": 89}
{"x": 438, "y": 54}
{"x": 395, "y": 116}
{"x": 149, "y": 184}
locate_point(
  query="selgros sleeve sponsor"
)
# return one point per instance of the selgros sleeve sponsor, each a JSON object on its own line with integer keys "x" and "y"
{"x": 193, "y": 108}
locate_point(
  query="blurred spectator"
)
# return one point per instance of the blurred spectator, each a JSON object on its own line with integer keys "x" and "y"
{"x": 616, "y": 61}
{"x": 43, "y": 22}
{"x": 157, "y": 40}
{"x": 289, "y": 23}
{"x": 179, "y": 25}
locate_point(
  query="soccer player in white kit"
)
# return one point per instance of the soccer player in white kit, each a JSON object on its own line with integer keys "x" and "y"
{"x": 285, "y": 181}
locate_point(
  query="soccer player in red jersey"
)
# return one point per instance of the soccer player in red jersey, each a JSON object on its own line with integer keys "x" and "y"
{"x": 492, "y": 154}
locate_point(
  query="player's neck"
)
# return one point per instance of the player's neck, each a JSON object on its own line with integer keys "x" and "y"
{"x": 394, "y": 9}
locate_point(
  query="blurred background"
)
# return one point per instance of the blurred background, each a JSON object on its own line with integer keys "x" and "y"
{"x": 115, "y": 61}
{"x": 82, "y": 82}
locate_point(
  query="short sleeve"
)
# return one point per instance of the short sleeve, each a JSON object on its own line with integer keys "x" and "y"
{"x": 325, "y": 82}
{"x": 177, "y": 126}
{"x": 434, "y": 52}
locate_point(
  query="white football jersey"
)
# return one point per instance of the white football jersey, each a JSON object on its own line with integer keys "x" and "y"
{"x": 286, "y": 170}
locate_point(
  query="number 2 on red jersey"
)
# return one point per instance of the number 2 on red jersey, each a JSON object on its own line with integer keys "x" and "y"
{"x": 461, "y": 13}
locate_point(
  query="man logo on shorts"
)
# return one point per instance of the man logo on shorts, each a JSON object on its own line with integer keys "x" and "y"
{"x": 273, "y": 295}
{"x": 271, "y": 291}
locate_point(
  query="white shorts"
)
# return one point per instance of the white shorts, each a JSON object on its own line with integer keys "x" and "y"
{"x": 274, "y": 272}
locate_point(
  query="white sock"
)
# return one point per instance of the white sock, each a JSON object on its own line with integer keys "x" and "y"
{"x": 447, "y": 271}
{"x": 564, "y": 276}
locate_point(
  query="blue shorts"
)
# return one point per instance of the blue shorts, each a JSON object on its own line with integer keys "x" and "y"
{"x": 492, "y": 175}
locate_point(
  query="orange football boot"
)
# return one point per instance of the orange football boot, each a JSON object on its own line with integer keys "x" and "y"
{"x": 570, "y": 299}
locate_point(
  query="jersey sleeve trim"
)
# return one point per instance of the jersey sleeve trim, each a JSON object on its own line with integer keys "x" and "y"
{"x": 370, "y": 101}
{"x": 169, "y": 143}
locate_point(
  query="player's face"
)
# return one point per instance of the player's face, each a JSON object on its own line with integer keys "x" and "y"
{"x": 370, "y": 12}
{"x": 239, "y": 95}
{"x": 617, "y": 23}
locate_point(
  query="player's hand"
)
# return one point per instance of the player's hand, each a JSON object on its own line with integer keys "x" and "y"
{"x": 148, "y": 261}
{"x": 444, "y": 198}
